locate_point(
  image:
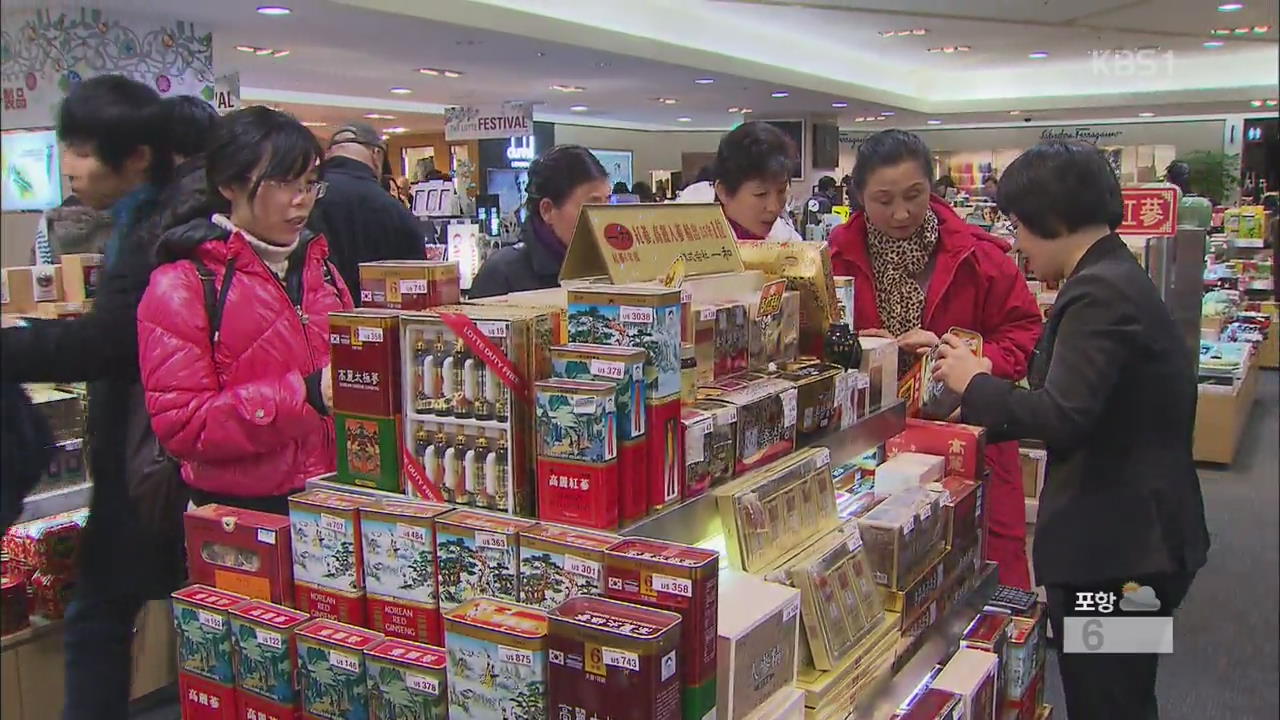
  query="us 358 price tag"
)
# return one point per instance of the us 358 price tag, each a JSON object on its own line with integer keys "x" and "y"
{"x": 672, "y": 585}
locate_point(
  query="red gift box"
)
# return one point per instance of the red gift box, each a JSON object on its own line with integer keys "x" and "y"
{"x": 1025, "y": 707}
{"x": 49, "y": 544}
{"x": 578, "y": 493}
{"x": 50, "y": 595}
{"x": 961, "y": 445}
{"x": 241, "y": 551}
{"x": 964, "y": 511}
{"x": 665, "y": 479}
{"x": 203, "y": 699}
{"x": 14, "y": 611}
{"x": 256, "y": 707}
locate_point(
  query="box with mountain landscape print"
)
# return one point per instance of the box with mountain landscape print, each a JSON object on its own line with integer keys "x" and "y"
{"x": 206, "y": 675}
{"x": 328, "y": 564}
{"x": 398, "y": 541}
{"x": 478, "y": 555}
{"x": 266, "y": 671}
{"x": 332, "y": 669}
{"x": 407, "y": 681}
{"x": 558, "y": 562}
{"x": 577, "y": 452}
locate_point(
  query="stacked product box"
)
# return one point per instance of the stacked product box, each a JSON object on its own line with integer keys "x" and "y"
{"x": 964, "y": 513}
{"x": 398, "y": 542}
{"x": 757, "y": 644}
{"x": 328, "y": 565}
{"x": 766, "y": 417}
{"x": 333, "y": 673}
{"x": 577, "y": 438}
{"x": 364, "y": 347}
{"x": 971, "y": 674}
{"x": 48, "y": 545}
{"x": 723, "y": 457}
{"x": 920, "y": 592}
{"x": 559, "y": 562}
{"x": 684, "y": 580}
{"x": 907, "y": 470}
{"x": 468, "y": 401}
{"x": 241, "y": 551}
{"x": 963, "y": 446}
{"x": 840, "y": 604}
{"x": 478, "y": 555}
{"x": 649, "y": 318}
{"x": 206, "y": 675}
{"x": 816, "y": 406}
{"x": 407, "y": 680}
{"x": 613, "y": 659}
{"x": 774, "y": 328}
{"x": 880, "y": 364}
{"x": 829, "y": 694}
{"x": 266, "y": 667}
{"x": 806, "y": 267}
{"x": 777, "y": 509}
{"x": 624, "y": 366}
{"x": 696, "y": 427}
{"x": 989, "y": 631}
{"x": 408, "y": 284}
{"x": 933, "y": 704}
{"x": 1024, "y": 653}
{"x": 903, "y": 535}
{"x": 497, "y": 660}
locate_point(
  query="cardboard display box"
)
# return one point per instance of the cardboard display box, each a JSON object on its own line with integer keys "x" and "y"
{"x": 757, "y": 645}
{"x": 1221, "y": 414}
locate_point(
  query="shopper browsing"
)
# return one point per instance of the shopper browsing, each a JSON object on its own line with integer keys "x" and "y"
{"x": 239, "y": 389}
{"x": 921, "y": 270}
{"x": 361, "y": 220}
{"x": 564, "y": 179}
{"x": 1113, "y": 396}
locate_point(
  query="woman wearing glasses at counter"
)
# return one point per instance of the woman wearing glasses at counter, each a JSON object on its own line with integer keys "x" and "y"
{"x": 920, "y": 270}
{"x": 1113, "y": 396}
{"x": 233, "y": 331}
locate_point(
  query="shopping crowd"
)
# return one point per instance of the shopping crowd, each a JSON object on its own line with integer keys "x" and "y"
{"x": 232, "y": 239}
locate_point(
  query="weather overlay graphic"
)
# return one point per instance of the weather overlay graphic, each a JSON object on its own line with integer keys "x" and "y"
{"x": 1132, "y": 620}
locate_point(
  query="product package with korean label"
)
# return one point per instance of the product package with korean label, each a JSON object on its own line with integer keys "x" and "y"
{"x": 334, "y": 675}
{"x": 766, "y": 417}
{"x": 368, "y": 451}
{"x": 364, "y": 350}
{"x": 903, "y": 535}
{"x": 613, "y": 659}
{"x": 840, "y": 603}
{"x": 262, "y": 636}
{"x": 778, "y": 509}
{"x": 696, "y": 427}
{"x": 722, "y": 461}
{"x": 757, "y": 646}
{"x": 408, "y": 284}
{"x": 558, "y": 562}
{"x": 497, "y": 660}
{"x": 577, "y": 439}
{"x": 202, "y": 620}
{"x": 816, "y": 401}
{"x": 963, "y": 446}
{"x": 398, "y": 542}
{"x": 328, "y": 566}
{"x": 478, "y": 555}
{"x": 407, "y": 681}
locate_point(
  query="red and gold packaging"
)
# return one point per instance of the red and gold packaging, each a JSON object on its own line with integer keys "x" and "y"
{"x": 613, "y": 659}
{"x": 933, "y": 704}
{"x": 698, "y": 448}
{"x": 204, "y": 699}
{"x": 559, "y": 562}
{"x": 50, "y": 595}
{"x": 971, "y": 674}
{"x": 398, "y": 542}
{"x": 766, "y": 417}
{"x": 328, "y": 561}
{"x": 48, "y": 544}
{"x": 14, "y": 612}
{"x": 684, "y": 580}
{"x": 1026, "y": 707}
{"x": 364, "y": 351}
{"x": 989, "y": 631}
{"x": 963, "y": 510}
{"x": 961, "y": 445}
{"x": 665, "y": 462}
{"x": 241, "y": 551}
{"x": 408, "y": 284}
{"x": 578, "y": 452}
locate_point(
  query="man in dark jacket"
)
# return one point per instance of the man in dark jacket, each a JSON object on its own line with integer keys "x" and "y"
{"x": 24, "y": 450}
{"x": 1113, "y": 396}
{"x": 108, "y": 127}
{"x": 361, "y": 221}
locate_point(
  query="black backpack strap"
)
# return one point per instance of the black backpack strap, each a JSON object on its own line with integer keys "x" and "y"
{"x": 330, "y": 274}
{"x": 215, "y": 299}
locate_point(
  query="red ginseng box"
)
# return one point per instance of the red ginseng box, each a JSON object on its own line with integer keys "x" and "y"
{"x": 961, "y": 445}
{"x": 241, "y": 551}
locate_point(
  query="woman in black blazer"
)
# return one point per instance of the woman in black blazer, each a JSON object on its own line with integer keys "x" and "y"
{"x": 1113, "y": 396}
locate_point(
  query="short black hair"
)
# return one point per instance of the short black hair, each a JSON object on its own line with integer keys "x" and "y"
{"x": 189, "y": 121}
{"x": 826, "y": 183}
{"x": 887, "y": 148}
{"x": 991, "y": 178}
{"x": 706, "y": 173}
{"x": 116, "y": 116}
{"x": 558, "y": 172}
{"x": 1059, "y": 187}
{"x": 642, "y": 190}
{"x": 257, "y": 137}
{"x": 754, "y": 151}
{"x": 620, "y": 188}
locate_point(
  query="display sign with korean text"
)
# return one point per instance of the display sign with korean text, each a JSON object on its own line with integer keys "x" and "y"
{"x": 479, "y": 122}
{"x": 639, "y": 243}
{"x": 1149, "y": 211}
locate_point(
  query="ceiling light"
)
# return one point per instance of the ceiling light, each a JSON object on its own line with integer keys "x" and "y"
{"x": 312, "y": 123}
{"x": 684, "y": 119}
{"x": 568, "y": 88}
{"x": 705, "y": 81}
{"x": 1213, "y": 44}
{"x": 1230, "y": 7}
{"x": 747, "y": 110}
{"x": 263, "y": 51}
{"x": 839, "y": 104}
{"x": 401, "y": 90}
{"x": 859, "y": 119}
{"x": 1271, "y": 103}
{"x": 903, "y": 33}
{"x": 246, "y": 48}
{"x": 396, "y": 129}
{"x": 734, "y": 109}
{"x": 429, "y": 71}
{"x": 1241, "y": 31}
{"x": 667, "y": 100}
{"x": 1146, "y": 114}
{"x": 1255, "y": 103}
{"x": 1260, "y": 29}
{"x": 1038, "y": 55}
{"x": 1147, "y": 48}
{"x": 452, "y": 73}
{"x": 379, "y": 116}
{"x": 273, "y": 10}
{"x": 934, "y": 122}
{"x": 886, "y": 113}
{"x": 579, "y": 108}
{"x": 279, "y": 53}
{"x": 1015, "y": 112}
{"x": 1220, "y": 31}
{"x": 779, "y": 93}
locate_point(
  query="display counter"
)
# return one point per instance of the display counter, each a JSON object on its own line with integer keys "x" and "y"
{"x": 1221, "y": 415}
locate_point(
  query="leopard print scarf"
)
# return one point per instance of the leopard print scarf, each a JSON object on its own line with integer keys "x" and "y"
{"x": 897, "y": 265}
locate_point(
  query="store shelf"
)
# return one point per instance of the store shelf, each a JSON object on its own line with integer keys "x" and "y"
{"x": 57, "y": 501}
{"x": 865, "y": 434}
{"x": 323, "y": 483}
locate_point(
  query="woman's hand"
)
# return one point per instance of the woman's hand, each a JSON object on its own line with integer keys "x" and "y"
{"x": 956, "y": 364}
{"x": 875, "y": 332}
{"x": 917, "y": 342}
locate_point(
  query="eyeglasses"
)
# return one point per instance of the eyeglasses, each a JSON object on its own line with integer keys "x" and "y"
{"x": 299, "y": 188}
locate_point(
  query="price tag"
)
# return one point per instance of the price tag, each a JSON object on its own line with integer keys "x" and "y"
{"x": 584, "y": 405}
{"x": 515, "y": 656}
{"x": 620, "y": 659}
{"x": 687, "y": 297}
{"x": 266, "y": 536}
{"x": 497, "y": 541}
{"x": 728, "y": 416}
{"x": 672, "y": 585}
{"x": 608, "y": 368}
{"x": 269, "y": 639}
{"x": 210, "y": 620}
{"x": 633, "y": 314}
{"x": 344, "y": 662}
{"x": 694, "y": 440}
{"x": 707, "y": 314}
{"x": 925, "y": 513}
{"x": 789, "y": 407}
{"x": 333, "y": 524}
{"x": 413, "y": 287}
{"x": 413, "y": 533}
{"x": 909, "y": 525}
{"x": 579, "y": 566}
{"x": 369, "y": 334}
{"x": 492, "y": 329}
{"x": 791, "y": 611}
{"x": 422, "y": 683}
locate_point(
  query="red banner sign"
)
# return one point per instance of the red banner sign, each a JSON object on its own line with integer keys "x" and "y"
{"x": 1149, "y": 211}
{"x": 488, "y": 353}
{"x": 417, "y": 476}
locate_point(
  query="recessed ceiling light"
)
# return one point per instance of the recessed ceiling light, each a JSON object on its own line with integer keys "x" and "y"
{"x": 1146, "y": 114}
{"x": 1260, "y": 29}
{"x": 747, "y": 110}
{"x": 886, "y": 113}
{"x": 1255, "y": 103}
{"x": 541, "y": 54}
{"x": 1220, "y": 31}
{"x": 779, "y": 93}
{"x": 279, "y": 53}
{"x": 263, "y": 51}
{"x": 579, "y": 108}
{"x": 401, "y": 90}
{"x": 1230, "y": 7}
{"x": 568, "y": 88}
{"x": 839, "y": 104}
{"x": 379, "y": 116}
{"x": 273, "y": 10}
{"x": 734, "y": 109}
{"x": 934, "y": 122}
{"x": 429, "y": 71}
{"x": 705, "y": 81}
{"x": 1038, "y": 55}
{"x": 1015, "y": 112}
{"x": 859, "y": 119}
{"x": 684, "y": 119}
{"x": 246, "y": 48}
{"x": 394, "y": 130}
{"x": 903, "y": 33}
{"x": 1241, "y": 30}
{"x": 312, "y": 123}
{"x": 1271, "y": 103}
{"x": 1211, "y": 44}
{"x": 666, "y": 100}
{"x": 949, "y": 49}
{"x": 452, "y": 73}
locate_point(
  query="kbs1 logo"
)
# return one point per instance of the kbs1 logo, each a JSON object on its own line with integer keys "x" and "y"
{"x": 1143, "y": 62}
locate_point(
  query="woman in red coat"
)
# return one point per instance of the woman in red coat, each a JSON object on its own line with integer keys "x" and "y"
{"x": 235, "y": 364}
{"x": 920, "y": 270}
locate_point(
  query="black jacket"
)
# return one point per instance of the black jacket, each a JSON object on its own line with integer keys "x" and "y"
{"x": 1113, "y": 396}
{"x": 24, "y": 450}
{"x": 101, "y": 348}
{"x": 362, "y": 222}
{"x": 527, "y": 265}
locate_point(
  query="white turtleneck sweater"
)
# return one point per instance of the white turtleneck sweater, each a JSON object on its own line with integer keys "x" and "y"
{"x": 276, "y": 257}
